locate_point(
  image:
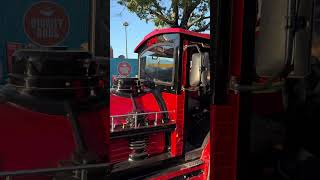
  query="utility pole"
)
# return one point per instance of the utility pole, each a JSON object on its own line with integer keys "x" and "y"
{"x": 126, "y": 24}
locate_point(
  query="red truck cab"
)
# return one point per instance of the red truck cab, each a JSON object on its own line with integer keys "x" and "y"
{"x": 159, "y": 113}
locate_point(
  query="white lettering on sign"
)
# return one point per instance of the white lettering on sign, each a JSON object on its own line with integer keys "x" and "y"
{"x": 46, "y": 28}
{"x": 46, "y": 23}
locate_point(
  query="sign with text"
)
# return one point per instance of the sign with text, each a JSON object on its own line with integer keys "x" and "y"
{"x": 46, "y": 23}
{"x": 124, "y": 69}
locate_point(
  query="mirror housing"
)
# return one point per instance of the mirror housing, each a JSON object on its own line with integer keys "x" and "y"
{"x": 272, "y": 42}
{"x": 199, "y": 71}
{"x": 195, "y": 71}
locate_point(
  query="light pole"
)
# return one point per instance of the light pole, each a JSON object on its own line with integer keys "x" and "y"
{"x": 126, "y": 24}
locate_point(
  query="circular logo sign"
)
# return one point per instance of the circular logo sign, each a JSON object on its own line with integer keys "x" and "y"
{"x": 124, "y": 69}
{"x": 46, "y": 23}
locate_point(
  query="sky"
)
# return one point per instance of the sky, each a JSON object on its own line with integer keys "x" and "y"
{"x": 137, "y": 29}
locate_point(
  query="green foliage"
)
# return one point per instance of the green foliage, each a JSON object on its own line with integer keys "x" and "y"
{"x": 187, "y": 14}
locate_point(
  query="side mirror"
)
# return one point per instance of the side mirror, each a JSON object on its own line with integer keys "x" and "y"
{"x": 195, "y": 71}
{"x": 199, "y": 70}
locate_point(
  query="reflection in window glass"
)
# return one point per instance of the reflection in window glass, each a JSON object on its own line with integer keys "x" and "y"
{"x": 157, "y": 64}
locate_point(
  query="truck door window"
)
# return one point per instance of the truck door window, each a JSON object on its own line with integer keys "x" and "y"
{"x": 157, "y": 64}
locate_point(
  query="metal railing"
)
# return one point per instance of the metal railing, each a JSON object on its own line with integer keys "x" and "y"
{"x": 135, "y": 116}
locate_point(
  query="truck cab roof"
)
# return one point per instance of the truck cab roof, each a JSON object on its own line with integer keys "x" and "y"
{"x": 169, "y": 31}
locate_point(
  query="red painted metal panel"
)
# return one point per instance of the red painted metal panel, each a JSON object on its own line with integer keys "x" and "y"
{"x": 95, "y": 128}
{"x": 31, "y": 140}
{"x": 156, "y": 143}
{"x": 224, "y": 118}
{"x": 119, "y": 150}
{"x": 224, "y": 137}
{"x": 205, "y": 157}
{"x": 176, "y": 103}
{"x": 147, "y": 103}
{"x": 120, "y": 106}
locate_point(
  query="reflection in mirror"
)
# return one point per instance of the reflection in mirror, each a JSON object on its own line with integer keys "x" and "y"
{"x": 195, "y": 71}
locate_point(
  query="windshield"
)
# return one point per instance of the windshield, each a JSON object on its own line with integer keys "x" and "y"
{"x": 157, "y": 64}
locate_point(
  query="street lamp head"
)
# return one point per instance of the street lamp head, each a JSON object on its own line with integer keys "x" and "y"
{"x": 125, "y": 24}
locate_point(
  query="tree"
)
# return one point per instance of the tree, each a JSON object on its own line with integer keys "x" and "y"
{"x": 187, "y": 14}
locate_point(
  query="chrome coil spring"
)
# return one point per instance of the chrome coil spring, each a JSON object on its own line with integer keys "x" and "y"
{"x": 138, "y": 146}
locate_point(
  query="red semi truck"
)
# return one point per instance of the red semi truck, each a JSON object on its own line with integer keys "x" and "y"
{"x": 155, "y": 116}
